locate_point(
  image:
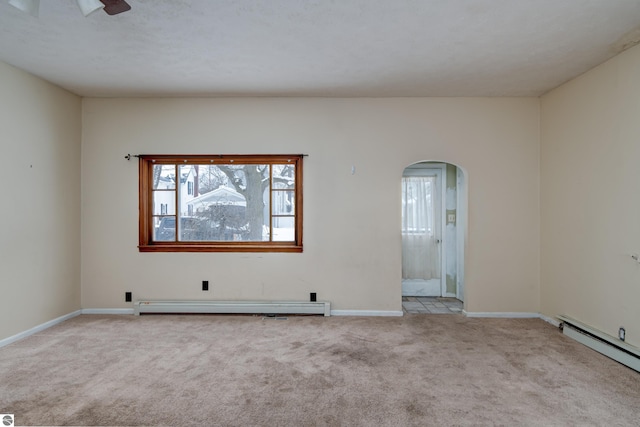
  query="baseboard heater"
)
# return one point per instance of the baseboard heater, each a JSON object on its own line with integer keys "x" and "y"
{"x": 603, "y": 343}
{"x": 233, "y": 307}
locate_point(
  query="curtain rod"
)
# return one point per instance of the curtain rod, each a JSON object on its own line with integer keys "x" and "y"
{"x": 129, "y": 156}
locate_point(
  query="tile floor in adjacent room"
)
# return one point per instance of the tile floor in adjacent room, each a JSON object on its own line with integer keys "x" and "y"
{"x": 431, "y": 305}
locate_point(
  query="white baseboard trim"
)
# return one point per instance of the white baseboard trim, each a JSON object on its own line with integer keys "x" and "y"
{"x": 502, "y": 314}
{"x": 551, "y": 320}
{"x": 513, "y": 315}
{"x": 38, "y": 328}
{"x": 366, "y": 313}
{"x": 107, "y": 311}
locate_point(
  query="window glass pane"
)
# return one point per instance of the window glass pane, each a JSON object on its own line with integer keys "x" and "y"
{"x": 164, "y": 229}
{"x": 210, "y": 177}
{"x": 284, "y": 176}
{"x": 228, "y": 201}
{"x": 193, "y": 229}
{"x": 164, "y": 177}
{"x": 283, "y": 203}
{"x": 283, "y": 185}
{"x": 164, "y": 203}
{"x": 186, "y": 186}
{"x": 418, "y": 204}
{"x": 284, "y": 229}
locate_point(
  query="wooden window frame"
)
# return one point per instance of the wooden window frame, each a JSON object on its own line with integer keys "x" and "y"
{"x": 146, "y": 223}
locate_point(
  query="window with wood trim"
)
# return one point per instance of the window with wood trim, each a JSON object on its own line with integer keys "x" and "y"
{"x": 220, "y": 203}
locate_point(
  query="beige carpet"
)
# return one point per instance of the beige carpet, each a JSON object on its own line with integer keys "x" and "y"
{"x": 419, "y": 370}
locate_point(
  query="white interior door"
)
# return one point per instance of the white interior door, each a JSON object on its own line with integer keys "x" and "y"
{"x": 422, "y": 231}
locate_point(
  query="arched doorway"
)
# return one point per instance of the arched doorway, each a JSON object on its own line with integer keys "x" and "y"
{"x": 434, "y": 215}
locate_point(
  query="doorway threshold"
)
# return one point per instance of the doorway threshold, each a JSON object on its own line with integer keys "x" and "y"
{"x": 431, "y": 305}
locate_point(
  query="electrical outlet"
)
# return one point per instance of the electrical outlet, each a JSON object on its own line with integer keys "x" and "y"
{"x": 313, "y": 297}
{"x": 127, "y": 296}
{"x": 205, "y": 285}
{"x": 622, "y": 334}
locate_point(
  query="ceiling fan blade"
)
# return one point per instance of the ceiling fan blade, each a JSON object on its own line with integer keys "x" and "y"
{"x": 113, "y": 7}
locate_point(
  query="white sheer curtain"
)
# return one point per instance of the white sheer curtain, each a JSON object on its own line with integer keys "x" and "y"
{"x": 420, "y": 258}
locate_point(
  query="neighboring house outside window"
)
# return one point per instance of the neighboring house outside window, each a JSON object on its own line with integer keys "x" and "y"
{"x": 221, "y": 203}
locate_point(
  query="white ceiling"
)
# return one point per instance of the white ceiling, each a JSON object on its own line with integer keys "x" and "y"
{"x": 318, "y": 47}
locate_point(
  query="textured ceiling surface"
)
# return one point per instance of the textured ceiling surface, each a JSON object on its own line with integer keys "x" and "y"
{"x": 318, "y": 47}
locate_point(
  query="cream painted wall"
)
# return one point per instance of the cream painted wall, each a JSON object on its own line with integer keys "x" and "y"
{"x": 590, "y": 169}
{"x": 40, "y": 216}
{"x": 352, "y": 222}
